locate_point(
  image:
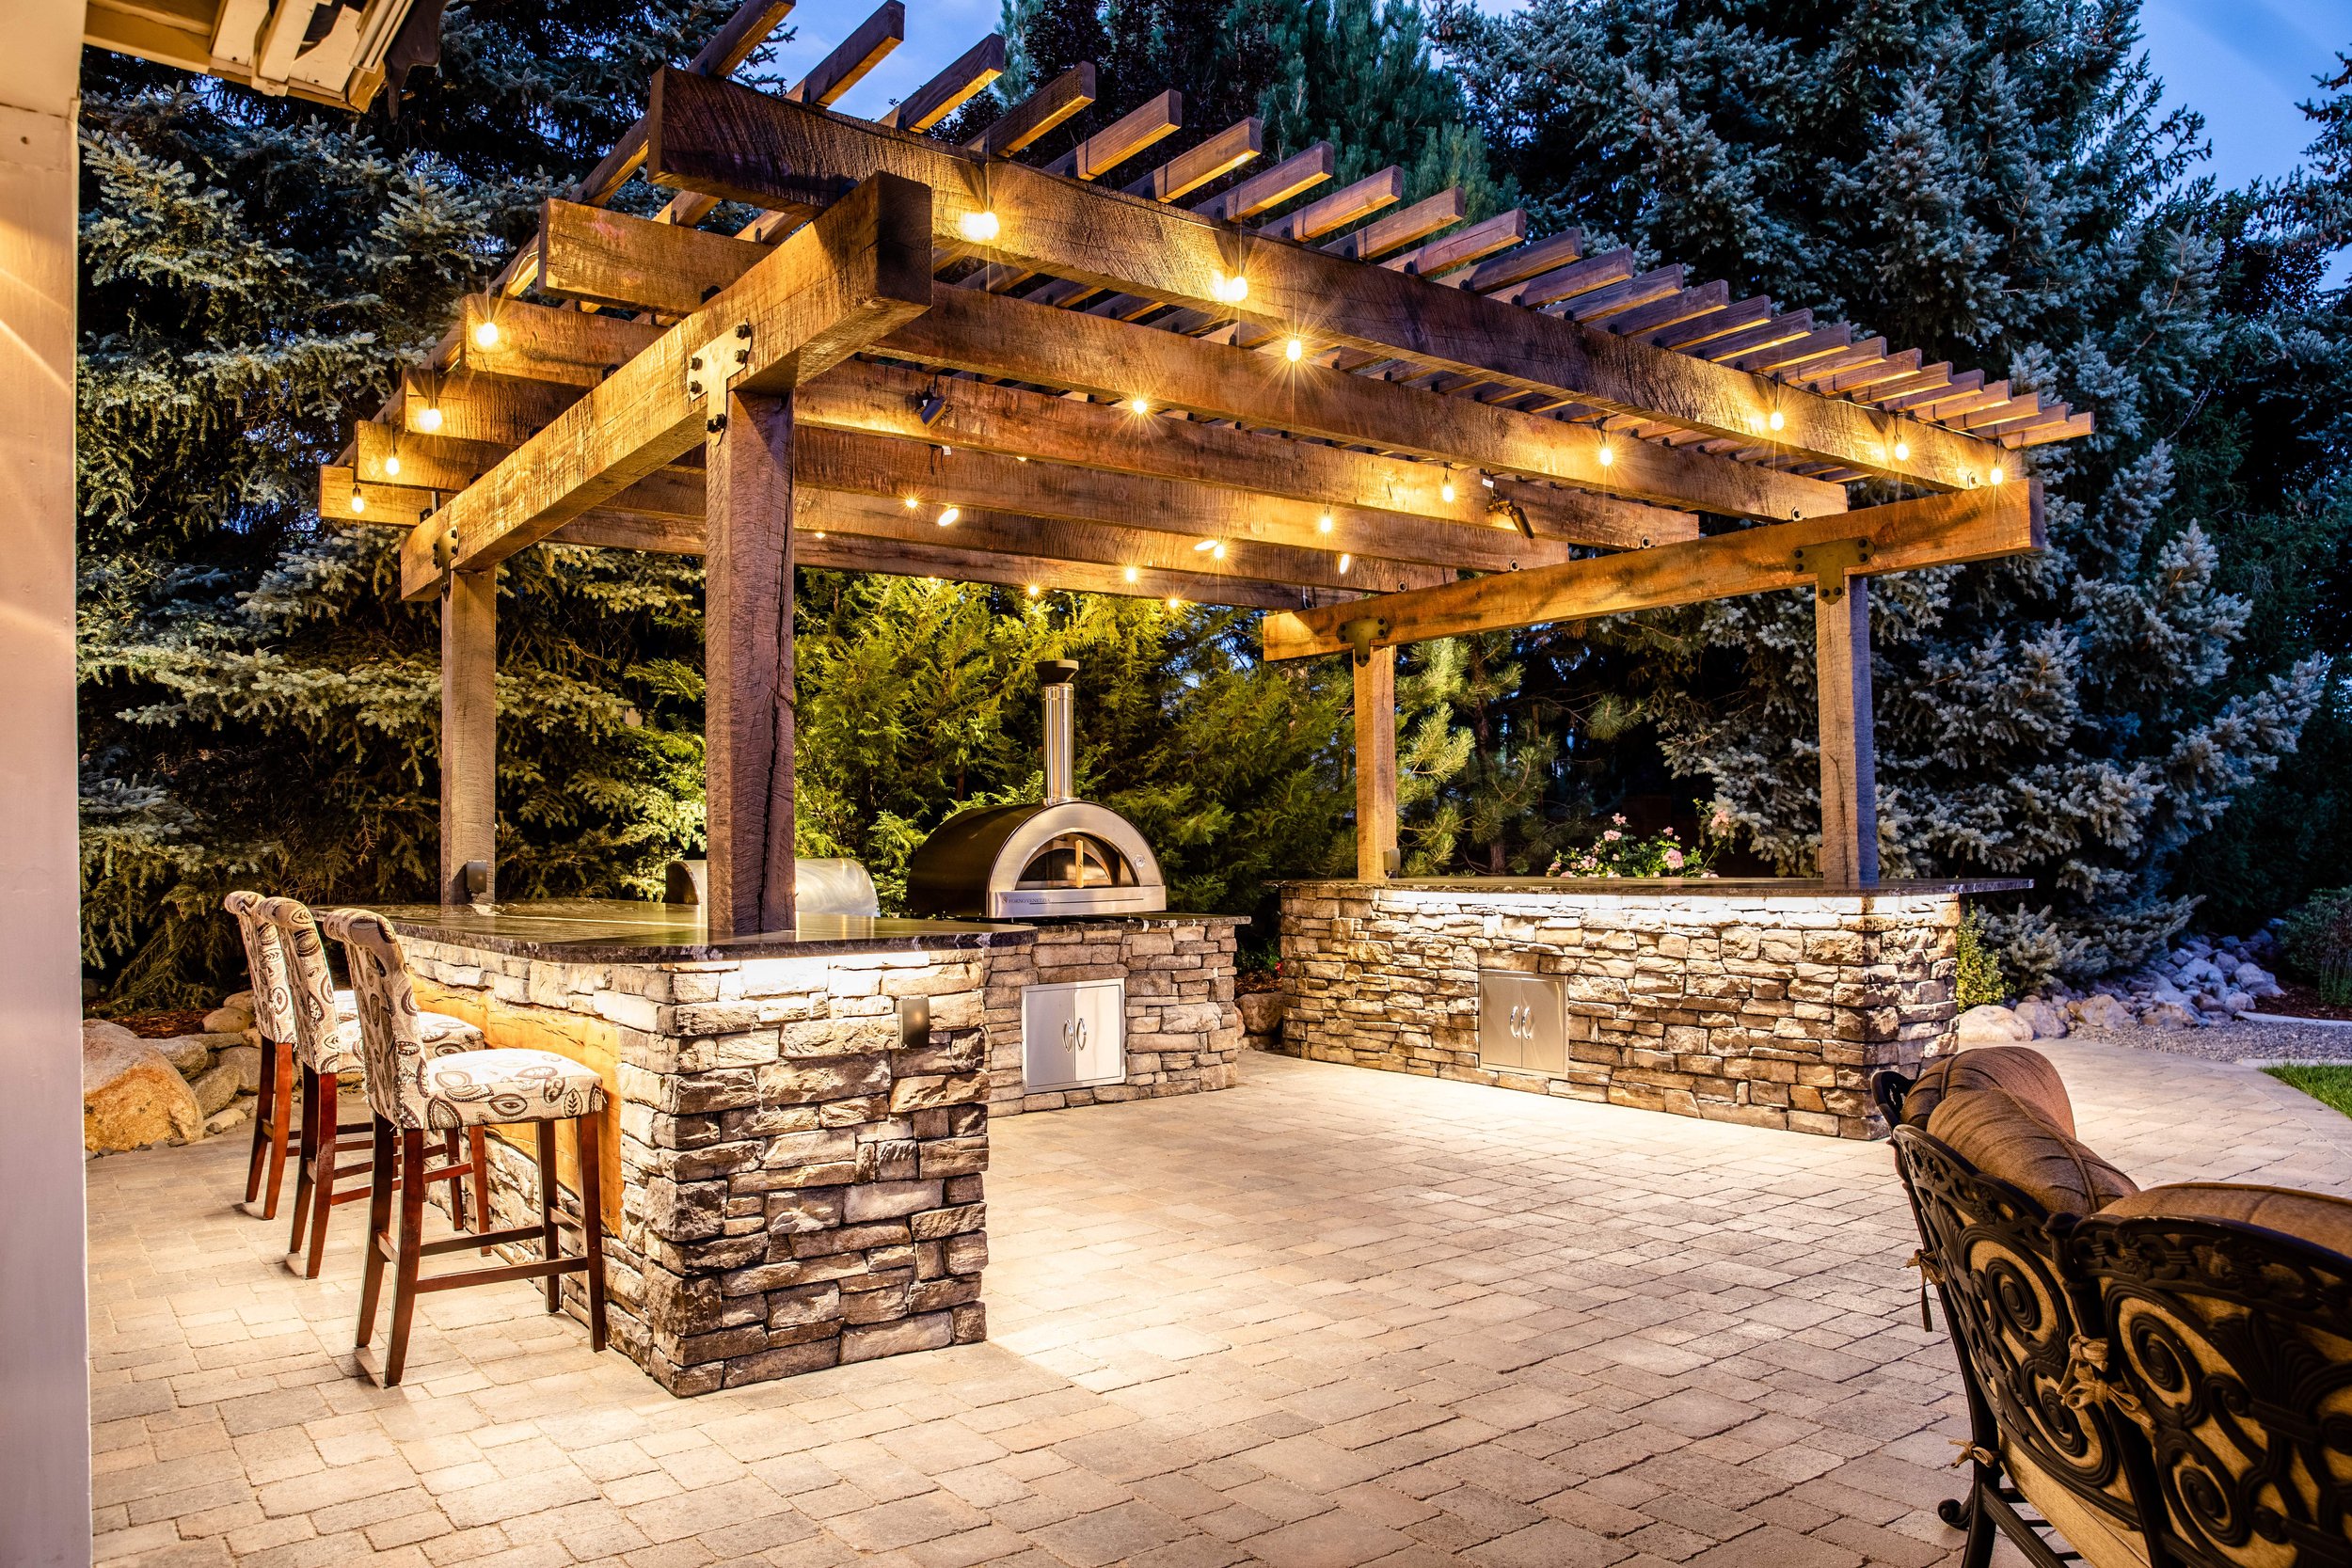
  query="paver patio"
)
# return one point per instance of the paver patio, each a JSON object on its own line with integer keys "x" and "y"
{"x": 1330, "y": 1316}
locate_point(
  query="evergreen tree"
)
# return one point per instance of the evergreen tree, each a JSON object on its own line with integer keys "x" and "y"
{"x": 1993, "y": 182}
{"x": 257, "y": 704}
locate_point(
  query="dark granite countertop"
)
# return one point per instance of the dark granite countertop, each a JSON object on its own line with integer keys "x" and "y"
{"x": 1702, "y": 887}
{"x": 620, "y": 930}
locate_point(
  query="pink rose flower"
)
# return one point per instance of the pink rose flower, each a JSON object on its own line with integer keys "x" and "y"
{"x": 1674, "y": 860}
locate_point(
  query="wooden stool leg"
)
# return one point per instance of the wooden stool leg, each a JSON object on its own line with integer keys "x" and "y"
{"x": 281, "y": 1125}
{"x": 477, "y": 1145}
{"x": 265, "y": 1109}
{"x": 457, "y": 1183}
{"x": 323, "y": 1180}
{"x": 306, "y": 1162}
{"x": 407, "y": 1254}
{"x": 588, "y": 1136}
{"x": 551, "y": 1243}
{"x": 379, "y": 1230}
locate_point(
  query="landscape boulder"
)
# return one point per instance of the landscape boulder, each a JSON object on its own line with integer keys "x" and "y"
{"x": 247, "y": 1059}
{"x": 2099, "y": 1011}
{"x": 233, "y": 1017}
{"x": 190, "y": 1054}
{"x": 1991, "y": 1024}
{"x": 215, "y": 1087}
{"x": 1260, "y": 1011}
{"x": 2045, "y": 1019}
{"x": 132, "y": 1095}
{"x": 2171, "y": 1015}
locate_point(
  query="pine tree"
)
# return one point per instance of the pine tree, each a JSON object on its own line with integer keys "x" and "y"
{"x": 258, "y": 706}
{"x": 1995, "y": 181}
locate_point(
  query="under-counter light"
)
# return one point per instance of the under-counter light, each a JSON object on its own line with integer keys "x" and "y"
{"x": 429, "y": 417}
{"x": 980, "y": 228}
{"x": 485, "y": 334}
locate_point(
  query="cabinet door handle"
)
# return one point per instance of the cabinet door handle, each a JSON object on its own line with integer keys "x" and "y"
{"x": 1082, "y": 1034}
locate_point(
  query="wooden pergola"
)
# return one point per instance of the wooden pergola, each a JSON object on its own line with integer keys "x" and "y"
{"x": 1379, "y": 424}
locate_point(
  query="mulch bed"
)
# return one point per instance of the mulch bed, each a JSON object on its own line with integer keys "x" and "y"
{"x": 1251, "y": 980}
{"x": 2302, "y": 1001}
{"x": 162, "y": 1026}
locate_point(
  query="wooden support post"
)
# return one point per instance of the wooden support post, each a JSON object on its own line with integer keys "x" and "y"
{"x": 1375, "y": 764}
{"x": 1849, "y": 802}
{"x": 747, "y": 658}
{"x": 469, "y": 734}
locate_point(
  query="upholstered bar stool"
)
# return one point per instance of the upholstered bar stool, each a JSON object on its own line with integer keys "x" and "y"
{"x": 274, "y": 1021}
{"x": 328, "y": 1049}
{"x": 413, "y": 1094}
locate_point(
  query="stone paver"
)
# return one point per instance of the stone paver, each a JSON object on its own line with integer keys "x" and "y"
{"x": 1330, "y": 1316}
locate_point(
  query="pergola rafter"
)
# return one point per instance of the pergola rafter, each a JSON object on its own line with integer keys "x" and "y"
{"x": 1371, "y": 417}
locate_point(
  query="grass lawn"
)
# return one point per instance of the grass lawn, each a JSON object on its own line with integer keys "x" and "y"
{"x": 2328, "y": 1085}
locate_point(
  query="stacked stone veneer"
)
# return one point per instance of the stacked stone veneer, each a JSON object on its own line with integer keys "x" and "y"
{"x": 1184, "y": 1033}
{"x": 1771, "y": 1011}
{"x": 798, "y": 1189}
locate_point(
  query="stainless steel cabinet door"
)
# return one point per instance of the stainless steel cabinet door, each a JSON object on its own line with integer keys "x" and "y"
{"x": 1522, "y": 1022}
{"x": 1073, "y": 1033}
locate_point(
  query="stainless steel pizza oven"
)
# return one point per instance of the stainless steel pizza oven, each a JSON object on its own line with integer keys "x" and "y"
{"x": 1061, "y": 857}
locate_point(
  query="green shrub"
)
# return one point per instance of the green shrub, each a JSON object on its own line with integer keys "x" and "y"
{"x": 1979, "y": 979}
{"x": 2318, "y": 942}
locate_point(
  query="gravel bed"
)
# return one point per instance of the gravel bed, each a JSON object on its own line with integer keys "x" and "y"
{"x": 2237, "y": 1041}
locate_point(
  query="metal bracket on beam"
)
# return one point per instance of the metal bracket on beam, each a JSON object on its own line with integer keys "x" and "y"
{"x": 445, "y": 548}
{"x": 1832, "y": 562}
{"x": 1360, "y": 633}
{"x": 714, "y": 366}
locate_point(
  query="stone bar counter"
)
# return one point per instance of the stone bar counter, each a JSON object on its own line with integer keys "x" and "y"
{"x": 796, "y": 1126}
{"x": 1769, "y": 1001}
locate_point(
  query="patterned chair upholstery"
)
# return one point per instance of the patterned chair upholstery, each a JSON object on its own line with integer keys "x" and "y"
{"x": 410, "y": 1085}
{"x": 326, "y": 1032}
{"x": 273, "y": 986}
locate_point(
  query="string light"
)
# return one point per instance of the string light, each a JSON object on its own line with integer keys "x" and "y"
{"x": 1133, "y": 575}
{"x": 485, "y": 334}
{"x": 359, "y": 502}
{"x": 980, "y": 228}
{"x": 914, "y": 502}
{"x": 392, "y": 465}
{"x": 1293, "y": 351}
{"x": 1034, "y": 590}
{"x": 1445, "y": 491}
{"x": 1323, "y": 524}
{"x": 1140, "y": 405}
{"x": 1996, "y": 474}
{"x": 1228, "y": 291}
{"x": 1606, "y": 455}
{"x": 1174, "y": 603}
{"x": 947, "y": 515}
{"x": 429, "y": 419}
{"x": 1217, "y": 554}
{"x": 1775, "y": 418}
{"x": 1902, "y": 452}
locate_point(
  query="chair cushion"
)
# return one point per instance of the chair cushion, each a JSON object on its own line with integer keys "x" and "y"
{"x": 2020, "y": 1070}
{"x": 2105, "y": 1540}
{"x": 2005, "y": 1137}
{"x": 2313, "y": 1217}
{"x": 472, "y": 1088}
{"x": 443, "y": 1036}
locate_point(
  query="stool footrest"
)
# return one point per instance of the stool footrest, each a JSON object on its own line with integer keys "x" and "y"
{"x": 468, "y": 1240}
{"x": 504, "y": 1271}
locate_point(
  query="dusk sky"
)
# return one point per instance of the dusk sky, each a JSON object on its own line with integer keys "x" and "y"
{"x": 2243, "y": 63}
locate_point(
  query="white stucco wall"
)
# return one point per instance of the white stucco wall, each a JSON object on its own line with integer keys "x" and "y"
{"x": 44, "y": 1377}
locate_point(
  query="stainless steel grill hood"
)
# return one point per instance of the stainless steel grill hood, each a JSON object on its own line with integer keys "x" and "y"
{"x": 1063, "y": 856}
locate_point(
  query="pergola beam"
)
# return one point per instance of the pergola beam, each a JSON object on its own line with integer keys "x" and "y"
{"x": 730, "y": 141}
{"x": 829, "y": 290}
{"x": 1933, "y": 530}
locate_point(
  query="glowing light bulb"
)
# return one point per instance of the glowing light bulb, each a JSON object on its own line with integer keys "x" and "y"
{"x": 1775, "y": 418}
{"x": 1902, "y": 452}
{"x": 1140, "y": 405}
{"x": 1218, "y": 553}
{"x": 1996, "y": 474}
{"x": 1175, "y": 603}
{"x": 359, "y": 502}
{"x": 1293, "y": 351}
{"x": 1445, "y": 491}
{"x": 1034, "y": 590}
{"x": 1230, "y": 290}
{"x": 486, "y": 334}
{"x": 429, "y": 419}
{"x": 391, "y": 467}
{"x": 914, "y": 502}
{"x": 980, "y": 228}
{"x": 1323, "y": 524}
{"x": 1133, "y": 575}
{"x": 948, "y": 515}
{"x": 1606, "y": 455}
{"x": 1345, "y": 561}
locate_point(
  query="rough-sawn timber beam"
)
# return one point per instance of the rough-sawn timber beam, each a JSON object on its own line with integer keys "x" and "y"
{"x": 1933, "y": 530}
{"x": 731, "y": 141}
{"x": 829, "y": 290}
{"x": 597, "y": 254}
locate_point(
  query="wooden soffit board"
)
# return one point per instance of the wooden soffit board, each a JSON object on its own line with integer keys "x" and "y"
{"x": 733, "y": 142}
{"x": 1935, "y": 531}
